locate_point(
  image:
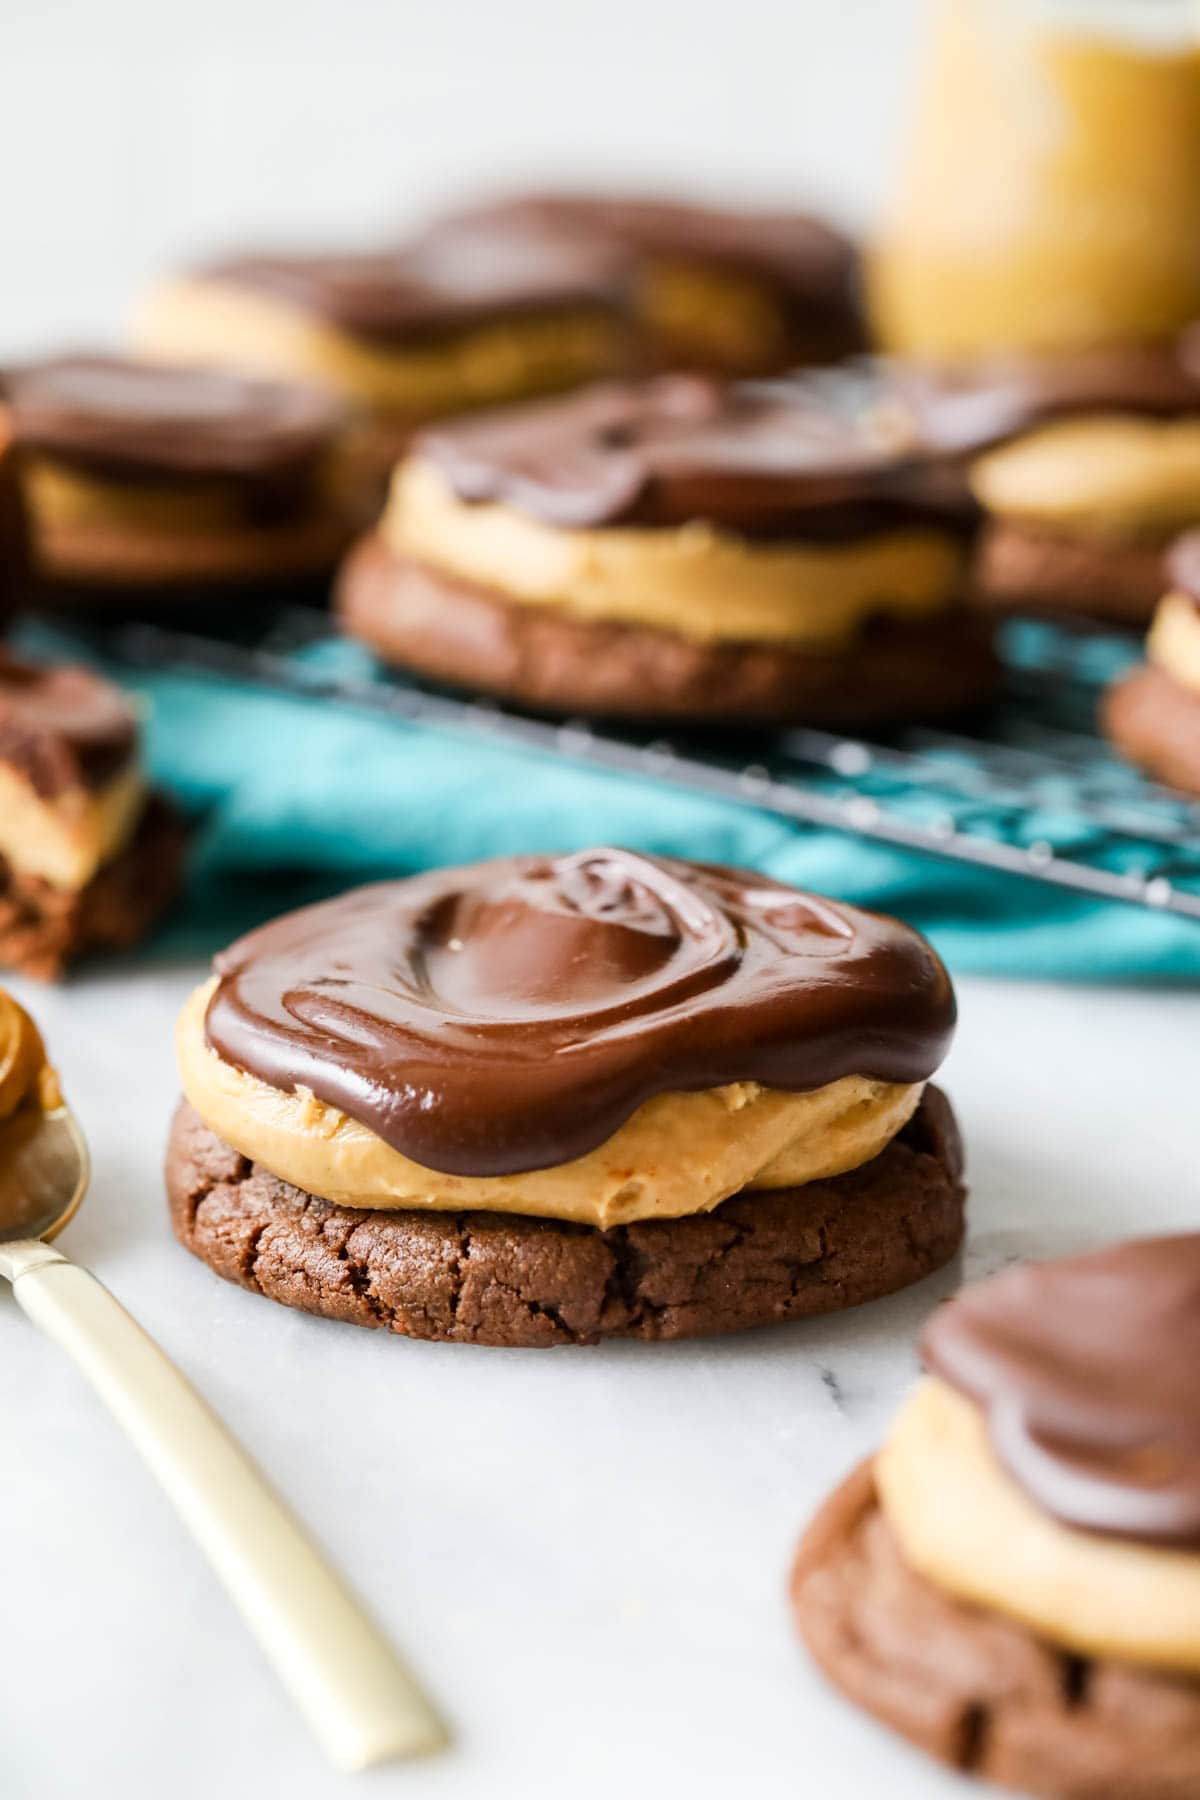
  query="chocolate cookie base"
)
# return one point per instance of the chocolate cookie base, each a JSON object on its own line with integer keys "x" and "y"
{"x": 44, "y": 928}
{"x": 121, "y": 567}
{"x": 540, "y": 657}
{"x": 974, "y": 1689}
{"x": 1155, "y": 722}
{"x": 496, "y": 1278}
{"x": 1021, "y": 569}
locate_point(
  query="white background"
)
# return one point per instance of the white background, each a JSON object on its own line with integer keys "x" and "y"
{"x": 134, "y": 133}
{"x": 585, "y": 1552}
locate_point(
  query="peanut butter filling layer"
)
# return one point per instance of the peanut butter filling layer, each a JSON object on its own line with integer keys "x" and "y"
{"x": 1174, "y": 640}
{"x": 680, "y": 1153}
{"x": 965, "y": 1524}
{"x": 64, "y": 839}
{"x": 706, "y": 583}
{"x": 1104, "y": 477}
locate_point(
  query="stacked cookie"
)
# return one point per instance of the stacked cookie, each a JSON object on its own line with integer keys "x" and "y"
{"x": 512, "y": 301}
{"x": 1152, "y": 714}
{"x": 1086, "y": 465}
{"x": 736, "y": 291}
{"x": 679, "y": 548}
{"x": 89, "y": 855}
{"x": 1014, "y": 1582}
{"x": 550, "y": 1100}
{"x": 153, "y": 484}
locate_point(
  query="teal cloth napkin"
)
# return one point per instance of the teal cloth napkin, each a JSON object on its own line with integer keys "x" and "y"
{"x": 296, "y": 797}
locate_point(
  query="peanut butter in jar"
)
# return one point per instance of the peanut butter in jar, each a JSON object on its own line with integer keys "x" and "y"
{"x": 1049, "y": 195}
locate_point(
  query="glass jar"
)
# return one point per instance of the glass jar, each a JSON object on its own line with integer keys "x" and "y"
{"x": 1049, "y": 196}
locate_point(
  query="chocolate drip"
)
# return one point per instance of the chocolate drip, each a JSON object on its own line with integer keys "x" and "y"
{"x": 113, "y": 415}
{"x": 1086, "y": 1369}
{"x": 770, "y": 457}
{"x": 62, "y": 727}
{"x": 512, "y": 1015}
{"x": 969, "y": 406}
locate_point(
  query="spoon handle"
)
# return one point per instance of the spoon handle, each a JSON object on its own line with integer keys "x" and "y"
{"x": 337, "y": 1665}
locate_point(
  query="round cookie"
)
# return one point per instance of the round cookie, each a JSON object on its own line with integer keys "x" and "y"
{"x": 157, "y": 483}
{"x": 1085, "y": 464}
{"x": 731, "y": 290}
{"x": 1014, "y": 1581}
{"x": 487, "y": 1278}
{"x": 678, "y": 550}
{"x": 974, "y": 1689}
{"x": 549, "y": 1100}
{"x": 1152, "y": 714}
{"x": 472, "y": 638}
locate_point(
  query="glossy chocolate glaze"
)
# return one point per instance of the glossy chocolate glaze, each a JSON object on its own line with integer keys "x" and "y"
{"x": 809, "y": 262}
{"x": 61, "y": 726}
{"x": 783, "y": 458}
{"x": 430, "y": 289}
{"x": 967, "y": 407}
{"x": 109, "y": 413}
{"x": 1183, "y": 566}
{"x": 1087, "y": 1371}
{"x": 511, "y": 1015}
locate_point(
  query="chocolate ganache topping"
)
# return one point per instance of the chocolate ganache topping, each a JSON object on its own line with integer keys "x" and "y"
{"x": 62, "y": 726}
{"x": 1087, "y": 1371}
{"x": 429, "y": 289}
{"x": 511, "y": 1016}
{"x": 810, "y": 262}
{"x": 967, "y": 407}
{"x": 775, "y": 456}
{"x": 110, "y": 413}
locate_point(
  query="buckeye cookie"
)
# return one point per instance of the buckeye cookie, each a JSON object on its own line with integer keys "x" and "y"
{"x": 403, "y": 334}
{"x": 550, "y": 1100}
{"x": 145, "y": 484}
{"x": 732, "y": 290}
{"x": 1152, "y": 714}
{"x": 678, "y": 549}
{"x": 1014, "y": 1581}
{"x": 1086, "y": 466}
{"x": 89, "y": 855}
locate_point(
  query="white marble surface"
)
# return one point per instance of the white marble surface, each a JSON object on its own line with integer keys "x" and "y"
{"x": 585, "y": 1551}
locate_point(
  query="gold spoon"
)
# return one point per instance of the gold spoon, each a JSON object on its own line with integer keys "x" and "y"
{"x": 337, "y": 1665}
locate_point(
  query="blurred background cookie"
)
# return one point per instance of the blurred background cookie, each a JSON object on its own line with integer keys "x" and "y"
{"x": 732, "y": 289}
{"x": 1086, "y": 465}
{"x": 1152, "y": 714}
{"x": 90, "y": 856}
{"x": 402, "y": 334}
{"x": 145, "y": 484}
{"x": 678, "y": 549}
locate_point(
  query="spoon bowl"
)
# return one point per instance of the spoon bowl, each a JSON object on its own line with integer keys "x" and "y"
{"x": 44, "y": 1172}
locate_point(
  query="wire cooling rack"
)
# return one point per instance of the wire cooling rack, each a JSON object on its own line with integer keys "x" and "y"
{"x": 1028, "y": 788}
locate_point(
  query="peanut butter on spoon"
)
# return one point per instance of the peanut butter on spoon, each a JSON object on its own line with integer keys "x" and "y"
{"x": 26, "y": 1077}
